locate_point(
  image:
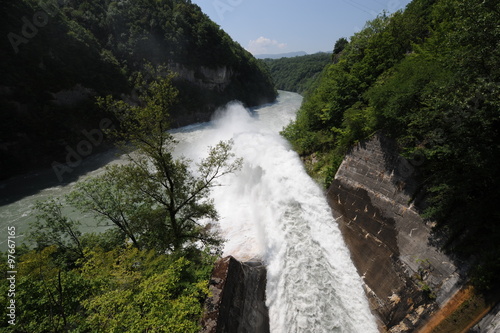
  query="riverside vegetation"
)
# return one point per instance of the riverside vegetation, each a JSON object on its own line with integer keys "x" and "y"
{"x": 149, "y": 271}
{"x": 429, "y": 78}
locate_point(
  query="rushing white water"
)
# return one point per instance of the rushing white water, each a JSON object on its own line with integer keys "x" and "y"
{"x": 274, "y": 211}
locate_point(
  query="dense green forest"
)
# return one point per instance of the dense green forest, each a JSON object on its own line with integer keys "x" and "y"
{"x": 297, "y": 74}
{"x": 57, "y": 56}
{"x": 429, "y": 78}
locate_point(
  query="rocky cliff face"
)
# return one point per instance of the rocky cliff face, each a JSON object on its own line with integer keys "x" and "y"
{"x": 406, "y": 276}
{"x": 207, "y": 78}
{"x": 237, "y": 298}
{"x": 202, "y": 91}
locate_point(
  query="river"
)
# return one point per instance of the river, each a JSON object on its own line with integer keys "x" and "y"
{"x": 271, "y": 210}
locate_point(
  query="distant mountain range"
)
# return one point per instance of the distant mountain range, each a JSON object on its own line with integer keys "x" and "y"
{"x": 281, "y": 55}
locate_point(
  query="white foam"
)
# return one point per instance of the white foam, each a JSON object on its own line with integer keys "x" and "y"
{"x": 273, "y": 210}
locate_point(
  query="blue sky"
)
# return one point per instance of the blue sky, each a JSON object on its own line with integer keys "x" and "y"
{"x": 280, "y": 26}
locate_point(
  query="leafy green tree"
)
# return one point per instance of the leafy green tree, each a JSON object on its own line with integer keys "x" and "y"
{"x": 108, "y": 197}
{"x": 156, "y": 200}
{"x": 340, "y": 45}
{"x": 53, "y": 228}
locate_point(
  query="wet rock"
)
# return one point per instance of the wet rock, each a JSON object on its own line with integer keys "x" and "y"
{"x": 237, "y": 298}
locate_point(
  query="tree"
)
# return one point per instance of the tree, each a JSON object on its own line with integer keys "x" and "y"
{"x": 48, "y": 296}
{"x": 108, "y": 197}
{"x": 340, "y": 45}
{"x": 156, "y": 199}
{"x": 53, "y": 228}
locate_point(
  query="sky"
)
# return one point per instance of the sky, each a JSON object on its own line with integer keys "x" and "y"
{"x": 281, "y": 26}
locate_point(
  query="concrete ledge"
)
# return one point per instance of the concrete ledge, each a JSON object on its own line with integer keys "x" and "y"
{"x": 373, "y": 195}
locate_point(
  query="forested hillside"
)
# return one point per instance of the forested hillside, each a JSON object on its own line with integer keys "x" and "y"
{"x": 429, "y": 78}
{"x": 57, "y": 56}
{"x": 297, "y": 74}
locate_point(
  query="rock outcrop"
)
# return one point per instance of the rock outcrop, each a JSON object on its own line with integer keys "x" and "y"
{"x": 212, "y": 79}
{"x": 236, "y": 302}
{"x": 406, "y": 276}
